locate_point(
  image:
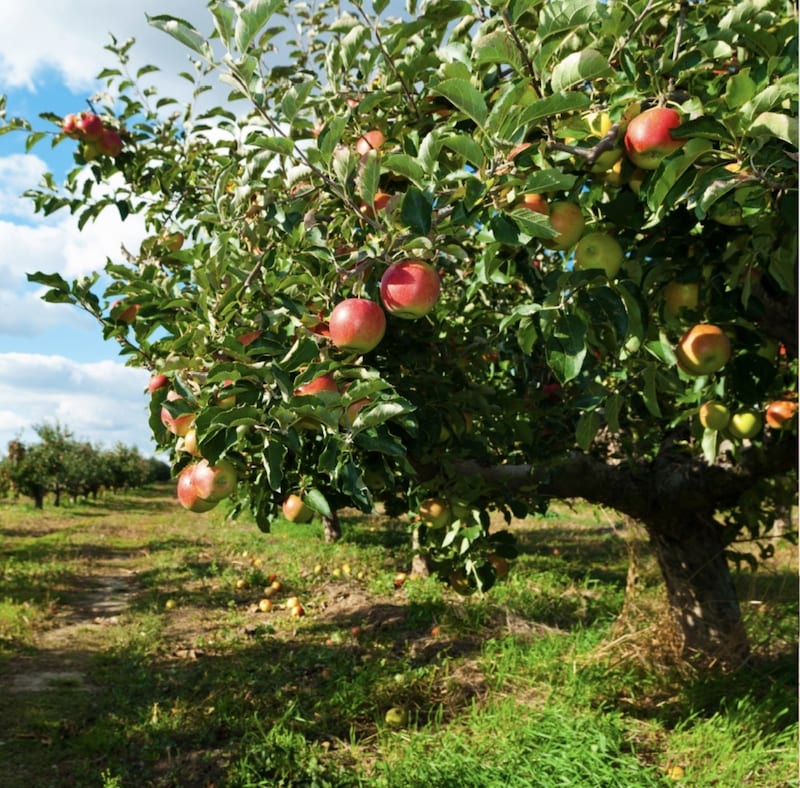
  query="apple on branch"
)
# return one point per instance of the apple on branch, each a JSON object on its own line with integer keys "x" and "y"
{"x": 714, "y": 415}
{"x": 745, "y": 424}
{"x": 295, "y": 510}
{"x": 214, "y": 482}
{"x": 357, "y": 325}
{"x": 371, "y": 140}
{"x": 648, "y": 138}
{"x": 780, "y": 413}
{"x": 703, "y": 349}
{"x": 410, "y": 289}
{"x": 178, "y": 424}
{"x": 187, "y": 492}
{"x": 679, "y": 296}
{"x": 599, "y": 251}
{"x": 567, "y": 220}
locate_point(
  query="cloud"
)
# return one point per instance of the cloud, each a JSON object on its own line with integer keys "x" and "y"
{"x": 68, "y": 38}
{"x": 102, "y": 402}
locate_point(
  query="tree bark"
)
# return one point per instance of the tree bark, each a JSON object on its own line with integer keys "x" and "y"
{"x": 691, "y": 554}
{"x": 332, "y": 527}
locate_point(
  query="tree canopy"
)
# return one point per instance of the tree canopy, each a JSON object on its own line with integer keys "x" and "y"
{"x": 606, "y": 196}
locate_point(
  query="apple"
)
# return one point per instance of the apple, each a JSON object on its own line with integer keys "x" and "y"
{"x": 265, "y": 605}
{"x": 214, "y": 482}
{"x": 410, "y": 289}
{"x": 501, "y": 566}
{"x": 89, "y": 126}
{"x": 110, "y": 143}
{"x": 124, "y": 313}
{"x": 567, "y": 220}
{"x": 353, "y": 409}
{"x": 535, "y": 202}
{"x": 172, "y": 242}
{"x": 357, "y": 325}
{"x": 187, "y": 492}
{"x": 648, "y": 138}
{"x": 248, "y": 338}
{"x": 703, "y": 349}
{"x": 396, "y": 717}
{"x": 178, "y": 425}
{"x": 780, "y": 413}
{"x": 744, "y": 424}
{"x": 714, "y": 415}
{"x": 681, "y": 295}
{"x": 372, "y": 140}
{"x": 190, "y": 443}
{"x": 291, "y": 602}
{"x": 295, "y": 510}
{"x": 460, "y": 583}
{"x": 379, "y": 203}
{"x": 297, "y": 611}
{"x": 435, "y": 513}
{"x": 606, "y": 161}
{"x": 69, "y": 125}
{"x": 324, "y": 382}
{"x": 399, "y": 579}
{"x": 599, "y": 251}
{"x": 229, "y": 400}
{"x": 157, "y": 381}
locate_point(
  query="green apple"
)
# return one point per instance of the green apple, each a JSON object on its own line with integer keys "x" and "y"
{"x": 714, "y": 415}
{"x": 599, "y": 251}
{"x": 744, "y": 424}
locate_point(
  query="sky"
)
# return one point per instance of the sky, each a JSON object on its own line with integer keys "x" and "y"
{"x": 54, "y": 364}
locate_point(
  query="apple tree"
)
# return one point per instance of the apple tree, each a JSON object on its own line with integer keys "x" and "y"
{"x": 464, "y": 258}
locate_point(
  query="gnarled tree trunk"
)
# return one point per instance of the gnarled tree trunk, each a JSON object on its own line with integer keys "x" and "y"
{"x": 332, "y": 527}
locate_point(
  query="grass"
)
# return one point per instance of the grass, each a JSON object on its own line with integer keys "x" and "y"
{"x": 135, "y": 654}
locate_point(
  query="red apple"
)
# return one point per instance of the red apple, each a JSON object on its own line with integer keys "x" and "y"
{"x": 780, "y": 413}
{"x": 190, "y": 444}
{"x": 648, "y": 138}
{"x": 187, "y": 492}
{"x": 69, "y": 125}
{"x": 324, "y": 382}
{"x": 214, "y": 482}
{"x": 535, "y": 202}
{"x": 157, "y": 381}
{"x": 124, "y": 313}
{"x": 410, "y": 289}
{"x": 177, "y": 425}
{"x": 379, "y": 203}
{"x": 567, "y": 220}
{"x": 249, "y": 337}
{"x": 703, "y": 349}
{"x": 295, "y": 510}
{"x": 599, "y": 251}
{"x": 110, "y": 143}
{"x": 357, "y": 325}
{"x": 372, "y": 140}
{"x": 89, "y": 126}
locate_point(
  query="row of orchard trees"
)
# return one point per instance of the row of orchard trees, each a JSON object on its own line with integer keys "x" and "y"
{"x": 61, "y": 465}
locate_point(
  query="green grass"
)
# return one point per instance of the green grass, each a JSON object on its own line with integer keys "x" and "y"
{"x": 184, "y": 682}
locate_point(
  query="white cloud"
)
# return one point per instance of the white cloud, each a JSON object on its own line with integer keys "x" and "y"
{"x": 102, "y": 402}
{"x": 68, "y": 37}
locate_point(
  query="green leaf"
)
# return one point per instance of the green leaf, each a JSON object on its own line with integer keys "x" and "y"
{"x": 554, "y": 105}
{"x": 565, "y": 347}
{"x": 613, "y": 408}
{"x": 650, "y": 390}
{"x": 55, "y": 281}
{"x": 497, "y": 47}
{"x": 404, "y": 165}
{"x": 775, "y": 124}
{"x": 579, "y": 67}
{"x": 710, "y": 445}
{"x": 182, "y": 31}
{"x": 465, "y": 145}
{"x": 586, "y": 429}
{"x": 317, "y": 501}
{"x": 251, "y": 19}
{"x": 464, "y": 95}
{"x": 369, "y": 177}
{"x": 740, "y": 89}
{"x": 560, "y": 16}
{"x": 417, "y": 211}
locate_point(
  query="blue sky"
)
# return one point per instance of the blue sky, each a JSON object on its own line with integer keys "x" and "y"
{"x": 54, "y": 365}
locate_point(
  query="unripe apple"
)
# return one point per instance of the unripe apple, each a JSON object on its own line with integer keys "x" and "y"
{"x": 214, "y": 482}
{"x": 780, "y": 413}
{"x": 648, "y": 138}
{"x": 295, "y": 510}
{"x": 681, "y": 295}
{"x": 714, "y": 415}
{"x": 187, "y": 492}
{"x": 599, "y": 251}
{"x": 372, "y": 140}
{"x": 435, "y": 513}
{"x": 567, "y": 220}
{"x": 89, "y": 126}
{"x": 703, "y": 349}
{"x": 410, "y": 289}
{"x": 744, "y": 424}
{"x": 357, "y": 325}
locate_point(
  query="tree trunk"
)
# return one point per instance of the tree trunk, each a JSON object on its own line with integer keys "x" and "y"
{"x": 419, "y": 563}
{"x": 333, "y": 528}
{"x": 38, "y": 497}
{"x": 691, "y": 553}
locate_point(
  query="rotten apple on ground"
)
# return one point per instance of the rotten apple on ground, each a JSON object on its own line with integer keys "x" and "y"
{"x": 703, "y": 349}
{"x": 410, "y": 289}
{"x": 357, "y": 325}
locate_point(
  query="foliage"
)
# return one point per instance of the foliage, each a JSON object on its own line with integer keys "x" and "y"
{"x": 262, "y": 216}
{"x": 60, "y": 464}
